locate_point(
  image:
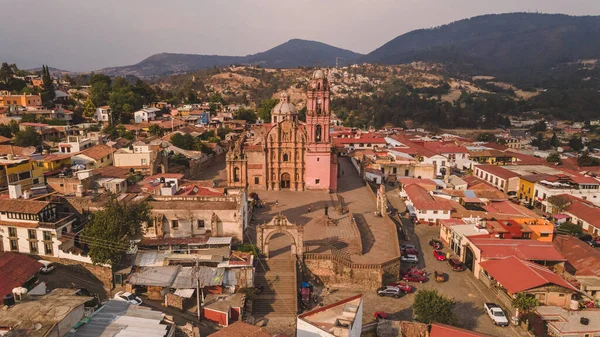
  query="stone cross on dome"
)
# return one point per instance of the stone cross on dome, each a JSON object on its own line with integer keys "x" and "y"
{"x": 284, "y": 97}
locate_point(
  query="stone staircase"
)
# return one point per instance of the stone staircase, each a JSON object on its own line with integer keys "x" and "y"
{"x": 279, "y": 297}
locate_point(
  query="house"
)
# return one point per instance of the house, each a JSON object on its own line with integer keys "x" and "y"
{"x": 567, "y": 323}
{"x": 94, "y": 157}
{"x": 527, "y": 186}
{"x": 103, "y": 114}
{"x": 425, "y": 207}
{"x": 443, "y": 330}
{"x": 241, "y": 329}
{"x": 53, "y": 164}
{"x": 583, "y": 187}
{"x": 138, "y": 156}
{"x": 485, "y": 155}
{"x": 17, "y": 270}
{"x": 223, "y": 309}
{"x": 342, "y": 318}
{"x": 583, "y": 213}
{"x": 20, "y": 170}
{"x": 74, "y": 144}
{"x": 8, "y": 99}
{"x": 583, "y": 263}
{"x": 145, "y": 115}
{"x": 512, "y": 276}
{"x": 501, "y": 178}
{"x": 119, "y": 318}
{"x": 54, "y": 314}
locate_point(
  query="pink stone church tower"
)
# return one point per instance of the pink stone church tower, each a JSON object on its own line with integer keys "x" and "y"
{"x": 320, "y": 159}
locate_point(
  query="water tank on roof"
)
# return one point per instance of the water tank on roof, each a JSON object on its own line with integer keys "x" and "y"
{"x": 9, "y": 300}
{"x": 584, "y": 320}
{"x": 574, "y": 305}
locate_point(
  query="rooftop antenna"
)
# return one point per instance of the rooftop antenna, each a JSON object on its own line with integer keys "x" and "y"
{"x": 337, "y": 62}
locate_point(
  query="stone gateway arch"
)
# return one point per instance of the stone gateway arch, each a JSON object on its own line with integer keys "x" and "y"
{"x": 280, "y": 224}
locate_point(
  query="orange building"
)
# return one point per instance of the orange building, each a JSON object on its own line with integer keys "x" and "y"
{"x": 6, "y": 99}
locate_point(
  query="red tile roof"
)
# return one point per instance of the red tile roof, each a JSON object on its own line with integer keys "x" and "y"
{"x": 532, "y": 250}
{"x": 584, "y": 259}
{"x": 23, "y": 206}
{"x": 584, "y": 210}
{"x": 422, "y": 200}
{"x": 15, "y": 270}
{"x": 497, "y": 171}
{"x": 443, "y": 330}
{"x": 517, "y": 275}
{"x": 98, "y": 152}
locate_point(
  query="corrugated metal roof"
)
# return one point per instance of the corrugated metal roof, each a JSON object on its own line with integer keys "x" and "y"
{"x": 123, "y": 319}
{"x": 470, "y": 194}
{"x": 207, "y": 276}
{"x": 220, "y": 241}
{"x": 155, "y": 276}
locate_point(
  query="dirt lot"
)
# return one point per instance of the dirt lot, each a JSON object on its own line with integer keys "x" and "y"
{"x": 73, "y": 277}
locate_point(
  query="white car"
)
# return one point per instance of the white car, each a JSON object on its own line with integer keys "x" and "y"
{"x": 128, "y": 297}
{"x": 47, "y": 266}
{"x": 409, "y": 258}
{"x": 496, "y": 314}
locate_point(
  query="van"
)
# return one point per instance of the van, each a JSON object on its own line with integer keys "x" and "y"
{"x": 47, "y": 266}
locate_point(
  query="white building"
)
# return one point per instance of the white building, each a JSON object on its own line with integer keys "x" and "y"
{"x": 501, "y": 178}
{"x": 424, "y": 206}
{"x": 340, "y": 319}
{"x": 145, "y": 115}
{"x": 586, "y": 188}
{"x": 75, "y": 144}
{"x": 103, "y": 113}
{"x": 139, "y": 156}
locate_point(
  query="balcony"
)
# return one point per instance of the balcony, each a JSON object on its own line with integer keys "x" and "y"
{"x": 60, "y": 220}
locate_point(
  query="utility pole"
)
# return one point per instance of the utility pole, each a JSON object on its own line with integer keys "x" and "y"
{"x": 197, "y": 272}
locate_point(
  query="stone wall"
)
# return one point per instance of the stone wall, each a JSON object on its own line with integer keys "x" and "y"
{"x": 339, "y": 275}
{"x": 102, "y": 273}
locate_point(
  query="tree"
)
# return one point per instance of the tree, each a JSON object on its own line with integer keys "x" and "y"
{"x": 155, "y": 130}
{"x": 48, "y": 93}
{"x": 430, "y": 306}
{"x": 525, "y": 302}
{"x": 245, "y": 114}
{"x": 123, "y": 100}
{"x": 222, "y": 132}
{"x": 186, "y": 142}
{"x": 6, "y": 131}
{"x": 539, "y": 127}
{"x": 6, "y": 73}
{"x": 486, "y": 137}
{"x": 559, "y": 202}
{"x": 570, "y": 228}
{"x": 554, "y": 141}
{"x": 576, "y": 143}
{"x": 100, "y": 89}
{"x": 28, "y": 137}
{"x": 553, "y": 158}
{"x": 586, "y": 160}
{"x": 110, "y": 231}
{"x": 264, "y": 111}
{"x": 89, "y": 109}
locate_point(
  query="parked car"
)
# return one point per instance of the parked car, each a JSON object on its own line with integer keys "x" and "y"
{"x": 411, "y": 251}
{"x": 414, "y": 278}
{"x": 409, "y": 258}
{"x": 436, "y": 244}
{"x": 47, "y": 266}
{"x": 593, "y": 243}
{"x": 128, "y": 297}
{"x": 439, "y": 255}
{"x": 496, "y": 314}
{"x": 404, "y": 286}
{"x": 407, "y": 246}
{"x": 456, "y": 265}
{"x": 389, "y": 291}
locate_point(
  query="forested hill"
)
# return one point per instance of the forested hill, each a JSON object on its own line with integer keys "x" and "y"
{"x": 496, "y": 44}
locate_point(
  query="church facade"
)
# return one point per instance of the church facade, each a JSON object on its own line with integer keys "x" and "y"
{"x": 288, "y": 154}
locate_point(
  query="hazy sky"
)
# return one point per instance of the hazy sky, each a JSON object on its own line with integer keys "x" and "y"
{"x": 82, "y": 35}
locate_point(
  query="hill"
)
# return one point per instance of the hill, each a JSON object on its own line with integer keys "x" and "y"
{"x": 291, "y": 54}
{"x": 496, "y": 44}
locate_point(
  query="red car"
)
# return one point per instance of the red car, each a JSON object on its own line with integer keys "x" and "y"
{"x": 410, "y": 251}
{"x": 439, "y": 255}
{"x": 414, "y": 278}
{"x": 404, "y": 286}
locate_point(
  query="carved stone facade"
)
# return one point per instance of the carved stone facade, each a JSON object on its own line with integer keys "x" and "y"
{"x": 280, "y": 224}
{"x": 288, "y": 154}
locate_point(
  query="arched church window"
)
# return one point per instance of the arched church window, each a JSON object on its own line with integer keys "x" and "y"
{"x": 318, "y": 133}
{"x": 319, "y": 104}
{"x": 236, "y": 174}
{"x": 286, "y": 157}
{"x": 319, "y": 86}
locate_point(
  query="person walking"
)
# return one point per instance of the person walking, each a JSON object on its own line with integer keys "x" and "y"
{"x": 309, "y": 208}
{"x": 276, "y": 202}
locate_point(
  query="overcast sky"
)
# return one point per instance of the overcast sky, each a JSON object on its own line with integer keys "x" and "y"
{"x": 83, "y": 35}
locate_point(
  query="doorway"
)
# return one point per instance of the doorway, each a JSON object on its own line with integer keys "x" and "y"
{"x": 285, "y": 181}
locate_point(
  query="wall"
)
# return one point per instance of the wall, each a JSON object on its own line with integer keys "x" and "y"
{"x": 133, "y": 159}
{"x": 102, "y": 273}
{"x": 430, "y": 216}
{"x": 338, "y": 275}
{"x": 69, "y": 321}
{"x": 305, "y": 329}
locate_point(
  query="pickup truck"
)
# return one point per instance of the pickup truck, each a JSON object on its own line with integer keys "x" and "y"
{"x": 496, "y": 314}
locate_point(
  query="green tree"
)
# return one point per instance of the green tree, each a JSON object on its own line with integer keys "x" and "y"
{"x": 576, "y": 143}
{"x": 264, "y": 110}
{"x": 100, "y": 89}
{"x": 430, "y": 306}
{"x": 6, "y": 73}
{"x": 569, "y": 228}
{"x": 525, "y": 302}
{"x": 6, "y": 131}
{"x": 553, "y": 158}
{"x": 222, "y": 132}
{"x": 28, "y": 137}
{"x": 539, "y": 127}
{"x": 110, "y": 231}
{"x": 89, "y": 109}
{"x": 186, "y": 142}
{"x": 559, "y": 203}
{"x": 586, "y": 160}
{"x": 486, "y": 137}
{"x": 48, "y": 92}
{"x": 144, "y": 92}
{"x": 14, "y": 126}
{"x": 155, "y": 130}
{"x": 554, "y": 141}
{"x": 123, "y": 100}
{"x": 245, "y": 114}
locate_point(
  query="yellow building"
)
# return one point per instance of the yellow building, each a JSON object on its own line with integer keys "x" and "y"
{"x": 6, "y": 99}
{"x": 20, "y": 170}
{"x": 527, "y": 187}
{"x": 53, "y": 163}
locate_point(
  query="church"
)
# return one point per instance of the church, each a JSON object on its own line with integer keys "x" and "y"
{"x": 288, "y": 154}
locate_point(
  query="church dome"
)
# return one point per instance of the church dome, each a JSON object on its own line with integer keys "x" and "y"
{"x": 318, "y": 74}
{"x": 284, "y": 107}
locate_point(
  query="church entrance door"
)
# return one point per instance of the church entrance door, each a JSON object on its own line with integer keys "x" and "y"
{"x": 285, "y": 181}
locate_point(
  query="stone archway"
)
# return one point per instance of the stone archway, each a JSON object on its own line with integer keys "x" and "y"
{"x": 280, "y": 224}
{"x": 285, "y": 181}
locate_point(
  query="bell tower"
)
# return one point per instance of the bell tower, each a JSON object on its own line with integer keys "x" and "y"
{"x": 321, "y": 163}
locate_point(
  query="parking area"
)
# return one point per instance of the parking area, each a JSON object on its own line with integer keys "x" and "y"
{"x": 73, "y": 276}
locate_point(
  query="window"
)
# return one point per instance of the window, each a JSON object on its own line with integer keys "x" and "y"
{"x": 36, "y": 181}
{"x": 317, "y": 181}
{"x": 144, "y": 161}
{"x": 318, "y": 159}
{"x": 32, "y": 234}
{"x": 33, "y": 247}
{"x": 48, "y": 248}
{"x": 256, "y": 180}
{"x": 544, "y": 235}
{"x": 174, "y": 224}
{"x": 102, "y": 160}
{"x": 47, "y": 236}
{"x": 200, "y": 224}
{"x": 236, "y": 174}
{"x": 14, "y": 245}
{"x": 286, "y": 157}
{"x": 435, "y": 212}
{"x": 394, "y": 170}
{"x": 12, "y": 232}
